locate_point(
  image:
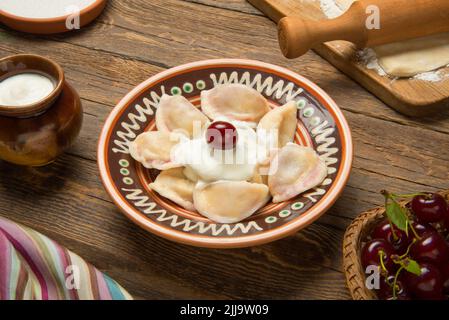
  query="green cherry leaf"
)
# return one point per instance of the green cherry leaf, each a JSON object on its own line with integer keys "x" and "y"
{"x": 412, "y": 266}
{"x": 397, "y": 215}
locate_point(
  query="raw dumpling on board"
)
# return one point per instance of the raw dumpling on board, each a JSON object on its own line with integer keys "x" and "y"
{"x": 230, "y": 201}
{"x": 153, "y": 149}
{"x": 172, "y": 184}
{"x": 234, "y": 102}
{"x": 405, "y": 58}
{"x": 293, "y": 170}
{"x": 176, "y": 113}
{"x": 283, "y": 120}
{"x": 409, "y": 58}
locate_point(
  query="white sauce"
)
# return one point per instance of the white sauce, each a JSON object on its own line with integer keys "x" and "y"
{"x": 24, "y": 89}
{"x": 43, "y": 9}
{"x": 236, "y": 164}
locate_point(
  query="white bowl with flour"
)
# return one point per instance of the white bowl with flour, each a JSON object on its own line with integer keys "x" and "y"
{"x": 49, "y": 16}
{"x": 44, "y": 9}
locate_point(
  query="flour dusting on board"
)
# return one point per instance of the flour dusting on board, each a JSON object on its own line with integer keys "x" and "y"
{"x": 432, "y": 76}
{"x": 368, "y": 57}
{"x": 333, "y": 9}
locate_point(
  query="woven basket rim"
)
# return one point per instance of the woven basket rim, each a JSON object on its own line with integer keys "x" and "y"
{"x": 355, "y": 276}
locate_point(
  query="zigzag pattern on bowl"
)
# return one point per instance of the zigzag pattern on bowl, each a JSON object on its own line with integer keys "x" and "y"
{"x": 321, "y": 133}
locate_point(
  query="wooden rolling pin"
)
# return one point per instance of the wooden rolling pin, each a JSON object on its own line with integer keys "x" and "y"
{"x": 399, "y": 20}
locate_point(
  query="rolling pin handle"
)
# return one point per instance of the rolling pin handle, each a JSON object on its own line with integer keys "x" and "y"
{"x": 294, "y": 38}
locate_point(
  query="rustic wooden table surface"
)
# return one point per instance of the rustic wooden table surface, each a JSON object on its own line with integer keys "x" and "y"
{"x": 135, "y": 39}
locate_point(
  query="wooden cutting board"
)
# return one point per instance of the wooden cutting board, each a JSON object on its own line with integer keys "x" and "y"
{"x": 409, "y": 96}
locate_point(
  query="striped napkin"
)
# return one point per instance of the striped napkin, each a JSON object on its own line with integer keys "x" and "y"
{"x": 34, "y": 267}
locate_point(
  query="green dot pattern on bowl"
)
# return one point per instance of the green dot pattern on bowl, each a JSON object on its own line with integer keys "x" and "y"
{"x": 300, "y": 104}
{"x": 124, "y": 171}
{"x": 200, "y": 85}
{"x": 271, "y": 219}
{"x": 315, "y": 121}
{"x": 124, "y": 163}
{"x": 308, "y": 112}
{"x": 284, "y": 213}
{"x": 176, "y": 91}
{"x": 187, "y": 87}
{"x": 128, "y": 181}
{"x": 297, "y": 206}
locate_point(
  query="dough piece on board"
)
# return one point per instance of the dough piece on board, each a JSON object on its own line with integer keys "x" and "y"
{"x": 411, "y": 57}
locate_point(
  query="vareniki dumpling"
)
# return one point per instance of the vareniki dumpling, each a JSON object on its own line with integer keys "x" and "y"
{"x": 176, "y": 113}
{"x": 173, "y": 185}
{"x": 281, "y": 120}
{"x": 153, "y": 149}
{"x": 234, "y": 102}
{"x": 293, "y": 170}
{"x": 229, "y": 201}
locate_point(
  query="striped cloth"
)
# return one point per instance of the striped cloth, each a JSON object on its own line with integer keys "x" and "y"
{"x": 34, "y": 267}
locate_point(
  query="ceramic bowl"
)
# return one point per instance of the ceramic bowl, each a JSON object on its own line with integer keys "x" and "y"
{"x": 21, "y": 63}
{"x": 321, "y": 125}
{"x": 51, "y": 25}
{"x": 36, "y": 134}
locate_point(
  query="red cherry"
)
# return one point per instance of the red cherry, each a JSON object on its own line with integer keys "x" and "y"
{"x": 371, "y": 254}
{"x": 384, "y": 230}
{"x": 423, "y": 229}
{"x": 428, "y": 285}
{"x": 429, "y": 208}
{"x": 430, "y": 248}
{"x": 221, "y": 135}
{"x": 385, "y": 291}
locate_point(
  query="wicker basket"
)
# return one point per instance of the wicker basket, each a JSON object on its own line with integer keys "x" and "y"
{"x": 352, "y": 243}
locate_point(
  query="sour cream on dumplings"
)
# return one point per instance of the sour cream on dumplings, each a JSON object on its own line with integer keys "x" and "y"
{"x": 238, "y": 164}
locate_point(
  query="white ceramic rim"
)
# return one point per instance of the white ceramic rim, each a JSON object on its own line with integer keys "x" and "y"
{"x": 83, "y": 11}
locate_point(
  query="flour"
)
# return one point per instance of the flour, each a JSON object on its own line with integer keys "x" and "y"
{"x": 367, "y": 56}
{"x": 331, "y": 9}
{"x": 43, "y": 9}
{"x": 433, "y": 76}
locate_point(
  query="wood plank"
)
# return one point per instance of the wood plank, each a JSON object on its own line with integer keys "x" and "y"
{"x": 104, "y": 61}
{"x": 235, "y": 5}
{"x": 239, "y": 29}
{"x": 408, "y": 96}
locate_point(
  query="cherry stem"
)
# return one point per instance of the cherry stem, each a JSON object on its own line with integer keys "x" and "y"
{"x": 408, "y": 250}
{"x": 381, "y": 256}
{"x": 414, "y": 233}
{"x": 410, "y": 195}
{"x": 395, "y": 282}
{"x": 393, "y": 197}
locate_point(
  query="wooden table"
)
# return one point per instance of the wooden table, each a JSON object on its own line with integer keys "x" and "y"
{"x": 135, "y": 39}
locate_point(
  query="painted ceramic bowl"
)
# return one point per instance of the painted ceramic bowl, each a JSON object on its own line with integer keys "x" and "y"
{"x": 321, "y": 125}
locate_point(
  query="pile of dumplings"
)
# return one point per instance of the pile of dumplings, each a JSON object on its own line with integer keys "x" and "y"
{"x": 297, "y": 168}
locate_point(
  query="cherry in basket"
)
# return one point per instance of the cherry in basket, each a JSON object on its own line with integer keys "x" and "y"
{"x": 429, "y": 208}
{"x": 410, "y": 248}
